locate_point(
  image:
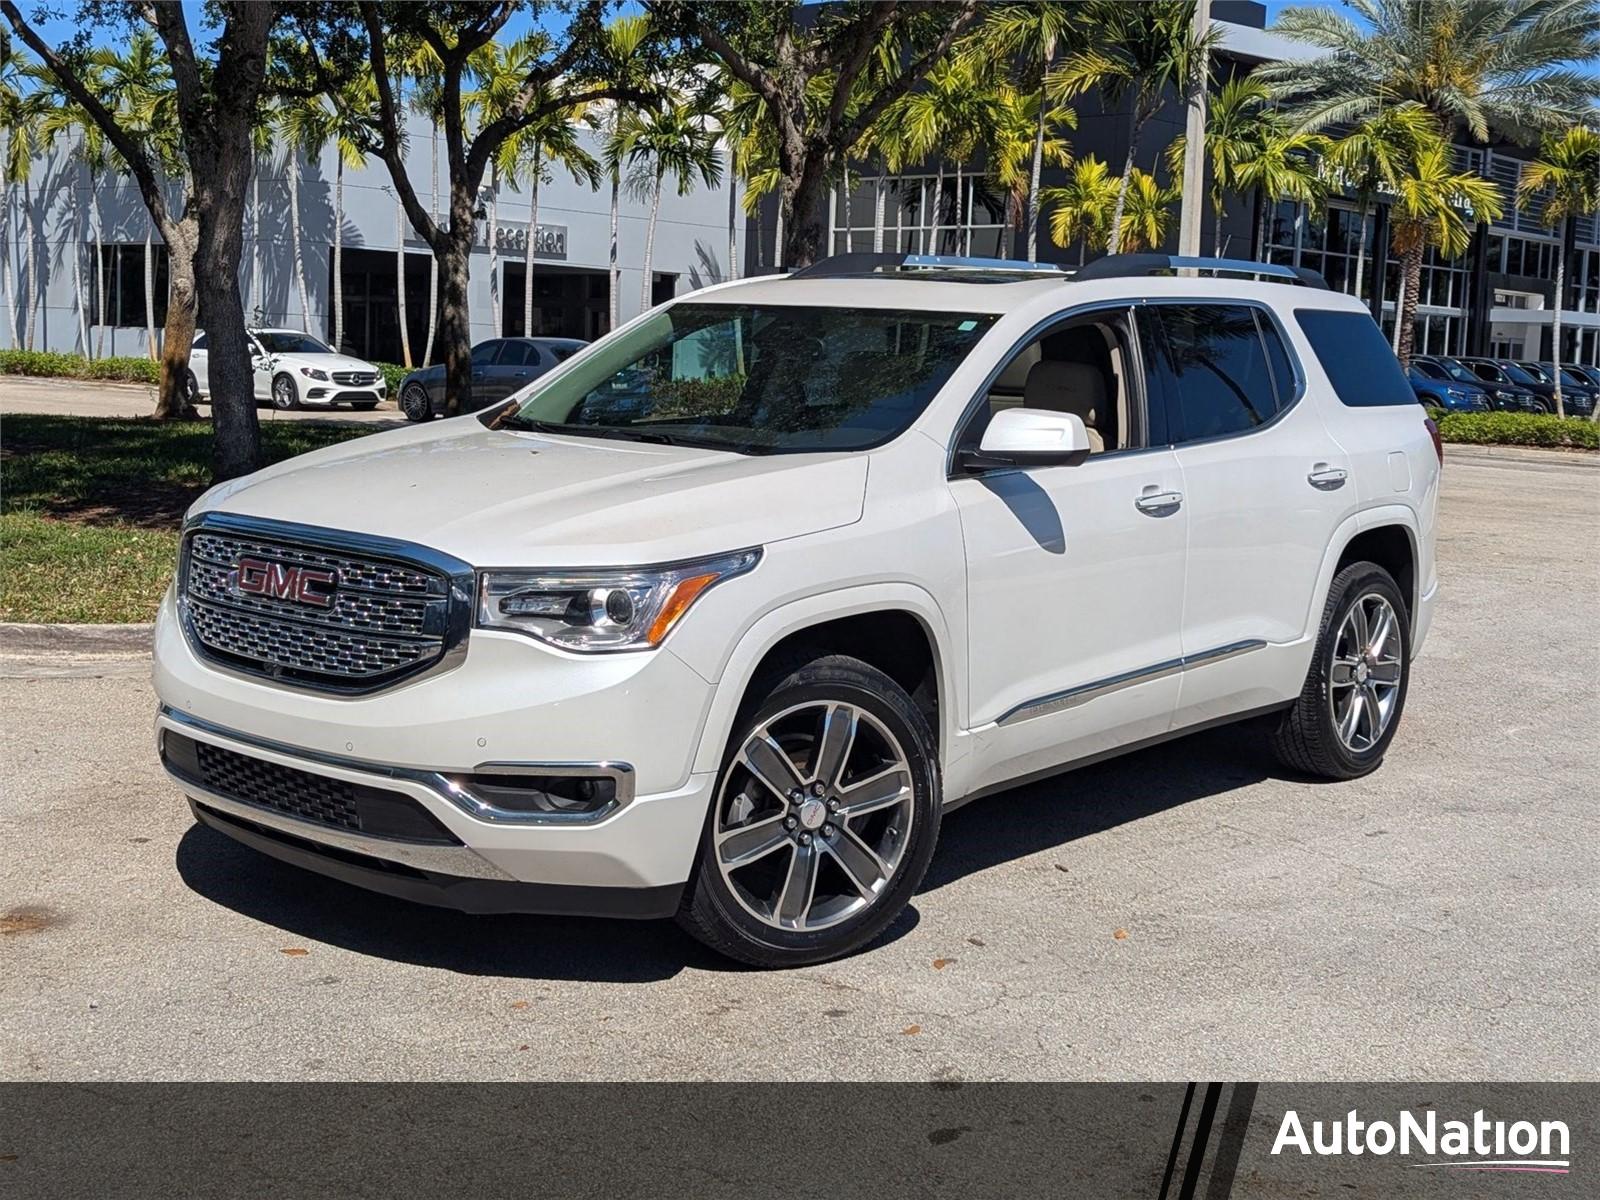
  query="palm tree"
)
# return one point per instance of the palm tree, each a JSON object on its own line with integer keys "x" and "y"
{"x": 1240, "y": 123}
{"x": 1135, "y": 53}
{"x": 92, "y": 153}
{"x": 1283, "y": 165}
{"x": 24, "y": 105}
{"x": 1146, "y": 213}
{"x": 427, "y": 99}
{"x": 624, "y": 38}
{"x": 1501, "y": 65}
{"x": 1030, "y": 34}
{"x": 1566, "y": 178}
{"x": 1014, "y": 143}
{"x": 949, "y": 118}
{"x": 1080, "y": 210}
{"x": 1427, "y": 212}
{"x": 288, "y": 121}
{"x": 672, "y": 140}
{"x": 1371, "y": 155}
{"x": 550, "y": 143}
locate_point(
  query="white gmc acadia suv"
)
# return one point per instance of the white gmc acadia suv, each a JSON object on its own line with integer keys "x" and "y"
{"x": 716, "y": 619}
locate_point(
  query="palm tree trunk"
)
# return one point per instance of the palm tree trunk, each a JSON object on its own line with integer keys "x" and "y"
{"x": 1361, "y": 246}
{"x": 338, "y": 248}
{"x": 1114, "y": 240}
{"x": 646, "y": 291}
{"x": 400, "y": 279}
{"x": 1036, "y": 174}
{"x": 777, "y": 238}
{"x": 1262, "y": 254}
{"x": 149, "y": 298}
{"x": 930, "y": 246}
{"x": 880, "y": 192}
{"x": 533, "y": 248}
{"x": 733, "y": 218}
{"x": 849, "y": 225}
{"x": 494, "y": 249}
{"x": 1410, "y": 281}
{"x": 77, "y": 275}
{"x": 5, "y": 254}
{"x": 614, "y": 276}
{"x": 1555, "y": 324}
{"x": 292, "y": 161}
{"x": 1218, "y": 212}
{"x": 960, "y": 221}
{"x": 31, "y": 226}
{"x": 257, "y": 295}
{"x": 99, "y": 271}
{"x": 433, "y": 258}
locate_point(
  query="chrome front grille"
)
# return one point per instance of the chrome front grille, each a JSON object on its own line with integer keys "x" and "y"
{"x": 380, "y": 612}
{"x": 355, "y": 378}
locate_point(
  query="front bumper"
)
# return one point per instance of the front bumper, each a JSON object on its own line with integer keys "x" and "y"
{"x": 509, "y": 704}
{"x": 318, "y": 392}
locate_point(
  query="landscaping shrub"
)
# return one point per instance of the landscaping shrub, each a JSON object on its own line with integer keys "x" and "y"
{"x": 393, "y": 373}
{"x": 50, "y": 364}
{"x": 1519, "y": 429}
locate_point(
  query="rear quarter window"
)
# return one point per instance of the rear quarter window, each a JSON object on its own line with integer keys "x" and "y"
{"x": 1356, "y": 358}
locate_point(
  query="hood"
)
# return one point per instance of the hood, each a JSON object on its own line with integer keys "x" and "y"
{"x": 328, "y": 362}
{"x": 495, "y": 498}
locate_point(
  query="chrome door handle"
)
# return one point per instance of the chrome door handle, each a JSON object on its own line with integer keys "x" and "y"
{"x": 1326, "y": 478}
{"x": 1159, "y": 504}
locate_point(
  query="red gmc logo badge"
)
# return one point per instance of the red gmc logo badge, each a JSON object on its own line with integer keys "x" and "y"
{"x": 282, "y": 581}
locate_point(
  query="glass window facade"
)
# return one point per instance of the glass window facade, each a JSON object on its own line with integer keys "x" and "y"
{"x": 968, "y": 219}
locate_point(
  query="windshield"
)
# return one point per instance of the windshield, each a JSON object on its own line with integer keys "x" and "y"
{"x": 1517, "y": 374}
{"x": 1431, "y": 371}
{"x": 1536, "y": 371}
{"x": 278, "y": 342}
{"x": 755, "y": 379}
{"x": 1457, "y": 371}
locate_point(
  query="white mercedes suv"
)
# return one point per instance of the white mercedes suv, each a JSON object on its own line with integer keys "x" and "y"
{"x": 716, "y": 619}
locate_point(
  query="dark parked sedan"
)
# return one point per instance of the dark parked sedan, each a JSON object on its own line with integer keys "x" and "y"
{"x": 499, "y": 367}
{"x": 1577, "y": 390}
{"x": 1501, "y": 374}
{"x": 1592, "y": 374}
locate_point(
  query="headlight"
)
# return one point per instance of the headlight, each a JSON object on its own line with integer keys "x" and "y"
{"x": 604, "y": 609}
{"x": 314, "y": 373}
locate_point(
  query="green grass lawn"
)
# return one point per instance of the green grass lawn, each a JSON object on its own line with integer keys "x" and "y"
{"x": 90, "y": 507}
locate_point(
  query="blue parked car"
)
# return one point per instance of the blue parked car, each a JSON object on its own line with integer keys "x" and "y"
{"x": 1434, "y": 386}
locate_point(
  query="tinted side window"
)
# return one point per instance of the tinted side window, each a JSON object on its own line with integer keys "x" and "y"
{"x": 1356, "y": 358}
{"x": 1217, "y": 367}
{"x": 516, "y": 354}
{"x": 483, "y": 353}
{"x": 1283, "y": 374}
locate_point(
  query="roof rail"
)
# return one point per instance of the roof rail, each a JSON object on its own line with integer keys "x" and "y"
{"x": 866, "y": 263}
{"x": 1119, "y": 266}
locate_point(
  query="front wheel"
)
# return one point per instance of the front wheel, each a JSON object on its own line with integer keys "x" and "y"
{"x": 824, "y": 819}
{"x": 1350, "y": 707}
{"x": 414, "y": 403}
{"x": 284, "y": 395}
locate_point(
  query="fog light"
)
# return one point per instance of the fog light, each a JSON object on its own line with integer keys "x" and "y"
{"x": 551, "y": 795}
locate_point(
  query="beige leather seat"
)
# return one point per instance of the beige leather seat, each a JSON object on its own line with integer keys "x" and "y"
{"x": 1072, "y": 388}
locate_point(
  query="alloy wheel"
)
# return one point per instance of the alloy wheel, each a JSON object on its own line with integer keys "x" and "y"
{"x": 814, "y": 816}
{"x": 1364, "y": 682}
{"x": 283, "y": 392}
{"x": 415, "y": 403}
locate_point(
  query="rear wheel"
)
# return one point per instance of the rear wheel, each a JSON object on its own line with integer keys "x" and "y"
{"x": 1350, "y": 707}
{"x": 414, "y": 403}
{"x": 191, "y": 389}
{"x": 284, "y": 394}
{"x": 824, "y": 819}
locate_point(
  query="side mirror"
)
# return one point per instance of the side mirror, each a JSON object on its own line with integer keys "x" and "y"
{"x": 1029, "y": 437}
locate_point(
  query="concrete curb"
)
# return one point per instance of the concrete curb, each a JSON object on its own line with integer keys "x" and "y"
{"x": 1546, "y": 455}
{"x": 17, "y": 638}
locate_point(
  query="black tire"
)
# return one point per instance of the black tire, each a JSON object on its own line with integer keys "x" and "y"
{"x": 414, "y": 403}
{"x": 191, "y": 389}
{"x": 285, "y": 395}
{"x": 1307, "y": 739}
{"x": 364, "y": 405}
{"x": 715, "y": 916}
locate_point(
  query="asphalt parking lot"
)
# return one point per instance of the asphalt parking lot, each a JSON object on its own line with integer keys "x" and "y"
{"x": 1190, "y": 911}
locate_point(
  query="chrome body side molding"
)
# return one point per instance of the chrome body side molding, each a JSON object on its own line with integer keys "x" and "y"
{"x": 1082, "y": 694}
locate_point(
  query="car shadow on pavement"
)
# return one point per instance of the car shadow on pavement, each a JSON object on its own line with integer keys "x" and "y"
{"x": 307, "y": 905}
{"x": 1064, "y": 808}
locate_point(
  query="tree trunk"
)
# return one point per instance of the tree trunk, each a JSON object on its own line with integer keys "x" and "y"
{"x": 1406, "y": 319}
{"x": 149, "y": 298}
{"x": 1361, "y": 246}
{"x": 1555, "y": 324}
{"x": 455, "y": 325}
{"x": 172, "y": 399}
{"x": 733, "y": 218}
{"x": 338, "y": 249}
{"x": 935, "y": 211}
{"x": 777, "y": 238}
{"x": 400, "y": 279}
{"x": 1114, "y": 239}
{"x": 256, "y": 293}
{"x": 1219, "y": 213}
{"x": 77, "y": 280}
{"x": 647, "y": 290}
{"x": 880, "y": 194}
{"x": 533, "y": 246}
{"x": 614, "y": 276}
{"x": 31, "y": 227}
{"x": 292, "y": 160}
{"x": 493, "y": 238}
{"x": 99, "y": 271}
{"x": 1037, "y": 174}
{"x": 849, "y": 225}
{"x": 433, "y": 259}
{"x": 960, "y": 222}
{"x": 5, "y": 254}
{"x": 1262, "y": 253}
{"x": 803, "y": 223}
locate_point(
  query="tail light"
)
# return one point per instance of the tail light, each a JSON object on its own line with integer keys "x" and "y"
{"x": 1438, "y": 442}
